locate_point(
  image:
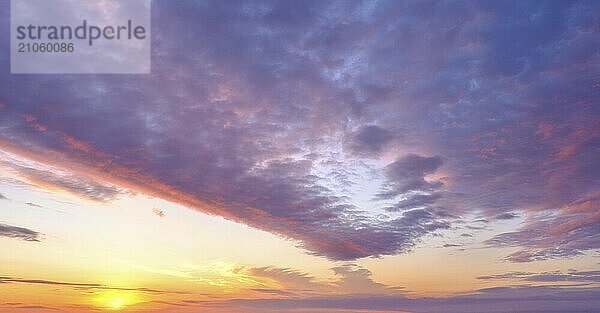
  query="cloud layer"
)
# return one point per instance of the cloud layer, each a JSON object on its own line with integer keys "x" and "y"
{"x": 451, "y": 108}
{"x": 526, "y": 299}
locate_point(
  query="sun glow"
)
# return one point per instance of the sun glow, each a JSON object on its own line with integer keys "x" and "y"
{"x": 116, "y": 304}
{"x": 117, "y": 300}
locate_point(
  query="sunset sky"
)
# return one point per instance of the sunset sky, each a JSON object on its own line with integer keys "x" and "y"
{"x": 312, "y": 156}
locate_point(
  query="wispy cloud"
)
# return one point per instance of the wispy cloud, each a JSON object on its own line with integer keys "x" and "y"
{"x": 562, "y": 233}
{"x": 554, "y": 276}
{"x": 84, "y": 187}
{"x": 158, "y": 212}
{"x": 350, "y": 279}
{"x": 8, "y": 279}
{"x": 19, "y": 233}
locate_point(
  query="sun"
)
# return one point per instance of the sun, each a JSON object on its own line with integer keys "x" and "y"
{"x": 116, "y": 304}
{"x": 116, "y": 300}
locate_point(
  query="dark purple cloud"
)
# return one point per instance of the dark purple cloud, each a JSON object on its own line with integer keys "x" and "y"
{"x": 407, "y": 174}
{"x": 247, "y": 101}
{"x": 21, "y": 233}
{"x": 506, "y": 216}
{"x": 555, "y": 276}
{"x": 369, "y": 140}
{"x": 451, "y": 245}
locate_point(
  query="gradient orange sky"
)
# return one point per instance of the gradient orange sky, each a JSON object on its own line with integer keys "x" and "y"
{"x": 331, "y": 156}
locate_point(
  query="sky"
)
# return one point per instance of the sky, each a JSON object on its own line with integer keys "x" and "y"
{"x": 312, "y": 156}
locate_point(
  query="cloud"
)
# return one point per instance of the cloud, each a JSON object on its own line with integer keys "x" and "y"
{"x": 170, "y": 303}
{"x": 369, "y": 140}
{"x": 494, "y": 300}
{"x": 350, "y": 279}
{"x": 407, "y": 174}
{"x": 555, "y": 276}
{"x": 158, "y": 212}
{"x": 270, "y": 291}
{"x": 2, "y": 197}
{"x": 358, "y": 280}
{"x": 75, "y": 184}
{"x": 288, "y": 279}
{"x": 19, "y": 233}
{"x": 506, "y": 216}
{"x": 240, "y": 121}
{"x": 563, "y": 233}
{"x": 7, "y": 279}
{"x": 35, "y": 307}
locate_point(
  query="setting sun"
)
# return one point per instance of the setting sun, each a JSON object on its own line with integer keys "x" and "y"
{"x": 117, "y": 300}
{"x": 116, "y": 304}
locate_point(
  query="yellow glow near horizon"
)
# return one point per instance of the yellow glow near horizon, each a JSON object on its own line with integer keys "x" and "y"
{"x": 117, "y": 299}
{"x": 116, "y": 304}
